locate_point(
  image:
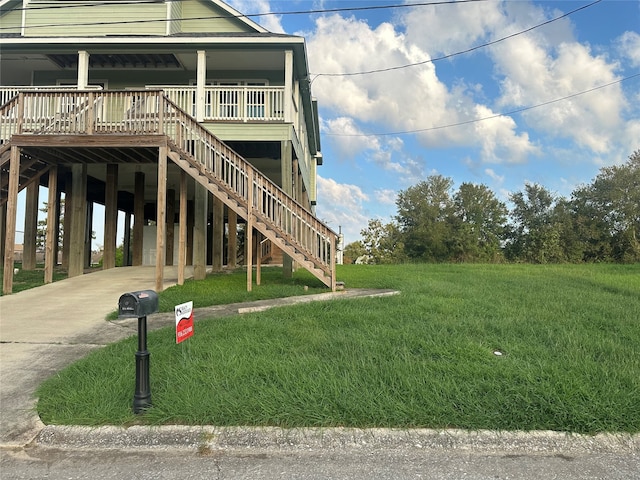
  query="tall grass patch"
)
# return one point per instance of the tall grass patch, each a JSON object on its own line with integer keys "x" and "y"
{"x": 500, "y": 347}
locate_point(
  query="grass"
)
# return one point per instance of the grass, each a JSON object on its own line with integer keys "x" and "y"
{"x": 26, "y": 279}
{"x": 231, "y": 287}
{"x": 568, "y": 337}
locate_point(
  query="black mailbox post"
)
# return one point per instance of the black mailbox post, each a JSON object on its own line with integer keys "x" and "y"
{"x": 139, "y": 305}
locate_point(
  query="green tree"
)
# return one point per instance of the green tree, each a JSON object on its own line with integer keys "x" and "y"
{"x": 424, "y": 219}
{"x": 609, "y": 212}
{"x": 41, "y": 232}
{"x": 382, "y": 242}
{"x": 353, "y": 251}
{"x": 479, "y": 224}
{"x": 535, "y": 232}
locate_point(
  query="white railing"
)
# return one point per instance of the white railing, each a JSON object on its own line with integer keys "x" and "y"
{"x": 228, "y": 103}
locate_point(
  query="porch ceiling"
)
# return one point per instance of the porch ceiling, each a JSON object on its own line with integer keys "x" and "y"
{"x": 16, "y": 67}
{"x": 130, "y": 160}
{"x": 118, "y": 60}
{"x": 95, "y": 155}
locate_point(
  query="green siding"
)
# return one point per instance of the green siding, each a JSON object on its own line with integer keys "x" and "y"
{"x": 208, "y": 18}
{"x": 204, "y": 8}
{"x": 11, "y": 21}
{"x": 176, "y": 13}
{"x": 249, "y": 132}
{"x": 64, "y": 21}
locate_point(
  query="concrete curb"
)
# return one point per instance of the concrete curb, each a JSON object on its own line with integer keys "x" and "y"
{"x": 209, "y": 438}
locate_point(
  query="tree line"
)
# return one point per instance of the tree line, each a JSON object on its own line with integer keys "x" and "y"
{"x": 599, "y": 222}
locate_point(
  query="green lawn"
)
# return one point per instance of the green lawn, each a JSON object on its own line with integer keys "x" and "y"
{"x": 26, "y": 279}
{"x": 568, "y": 336}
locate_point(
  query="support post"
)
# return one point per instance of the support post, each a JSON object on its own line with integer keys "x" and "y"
{"x": 30, "y": 227}
{"x": 3, "y": 228}
{"x": 170, "y": 221}
{"x": 232, "y": 244}
{"x": 78, "y": 220}
{"x": 51, "y": 246}
{"x": 138, "y": 219}
{"x": 200, "y": 233}
{"x": 126, "y": 244}
{"x": 68, "y": 207}
{"x": 161, "y": 224}
{"x": 248, "y": 234}
{"x": 218, "y": 234}
{"x": 110, "y": 217}
{"x": 201, "y": 78}
{"x": 83, "y": 70}
{"x": 182, "y": 235}
{"x": 88, "y": 230}
{"x": 288, "y": 86}
{"x": 10, "y": 233}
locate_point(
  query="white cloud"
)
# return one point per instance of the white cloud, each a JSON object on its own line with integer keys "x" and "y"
{"x": 629, "y": 47}
{"x": 386, "y": 153}
{"x": 450, "y": 28}
{"x": 493, "y": 175}
{"x": 534, "y": 70}
{"x": 499, "y": 141}
{"x": 403, "y": 100}
{"x": 406, "y": 99}
{"x": 341, "y": 205}
{"x": 386, "y": 196}
{"x": 347, "y": 137}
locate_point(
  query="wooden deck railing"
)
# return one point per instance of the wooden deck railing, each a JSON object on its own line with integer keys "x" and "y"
{"x": 151, "y": 112}
{"x": 230, "y": 103}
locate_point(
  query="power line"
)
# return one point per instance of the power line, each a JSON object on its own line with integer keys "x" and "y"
{"x": 215, "y": 17}
{"x": 468, "y": 122}
{"x": 432, "y": 60}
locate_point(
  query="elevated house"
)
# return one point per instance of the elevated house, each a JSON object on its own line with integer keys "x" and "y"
{"x": 187, "y": 116}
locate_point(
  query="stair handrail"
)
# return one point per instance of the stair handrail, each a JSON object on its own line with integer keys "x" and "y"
{"x": 230, "y": 169}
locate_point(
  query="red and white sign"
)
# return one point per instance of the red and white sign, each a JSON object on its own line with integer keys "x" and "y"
{"x": 184, "y": 321}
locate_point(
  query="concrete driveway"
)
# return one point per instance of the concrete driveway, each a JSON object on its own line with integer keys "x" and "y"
{"x": 46, "y": 328}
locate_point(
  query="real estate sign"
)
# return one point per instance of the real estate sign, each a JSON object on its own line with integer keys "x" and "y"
{"x": 184, "y": 321}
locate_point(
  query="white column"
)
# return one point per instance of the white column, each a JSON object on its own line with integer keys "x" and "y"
{"x": 83, "y": 70}
{"x": 288, "y": 86}
{"x": 201, "y": 80}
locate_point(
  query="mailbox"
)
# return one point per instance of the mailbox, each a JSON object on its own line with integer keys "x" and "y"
{"x": 137, "y": 304}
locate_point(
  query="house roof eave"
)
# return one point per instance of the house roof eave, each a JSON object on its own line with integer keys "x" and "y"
{"x": 171, "y": 40}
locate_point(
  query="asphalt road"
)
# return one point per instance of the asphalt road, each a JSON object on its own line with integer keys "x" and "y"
{"x": 405, "y": 463}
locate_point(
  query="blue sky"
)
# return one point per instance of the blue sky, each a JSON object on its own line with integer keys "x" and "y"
{"x": 559, "y": 145}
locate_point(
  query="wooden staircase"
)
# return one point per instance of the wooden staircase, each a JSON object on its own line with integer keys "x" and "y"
{"x": 249, "y": 193}
{"x": 224, "y": 173}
